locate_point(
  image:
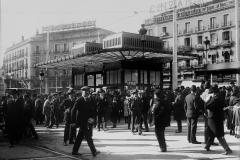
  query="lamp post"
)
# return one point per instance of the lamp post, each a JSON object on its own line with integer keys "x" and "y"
{"x": 207, "y": 43}
{"x": 175, "y": 44}
{"x": 143, "y": 32}
{"x": 237, "y": 37}
{"x": 41, "y": 75}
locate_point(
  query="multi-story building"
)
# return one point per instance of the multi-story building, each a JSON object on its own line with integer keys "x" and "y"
{"x": 52, "y": 43}
{"x": 207, "y": 30}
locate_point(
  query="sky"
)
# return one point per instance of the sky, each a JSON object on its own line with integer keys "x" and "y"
{"x": 24, "y": 17}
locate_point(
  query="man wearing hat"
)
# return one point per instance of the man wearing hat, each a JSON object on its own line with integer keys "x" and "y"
{"x": 178, "y": 108}
{"x": 67, "y": 104}
{"x": 216, "y": 119}
{"x": 84, "y": 119}
{"x": 135, "y": 107}
{"x": 191, "y": 108}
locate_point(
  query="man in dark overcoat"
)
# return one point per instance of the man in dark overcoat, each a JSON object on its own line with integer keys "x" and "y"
{"x": 216, "y": 118}
{"x": 135, "y": 106}
{"x": 84, "y": 119}
{"x": 67, "y": 104}
{"x": 192, "y": 113}
{"x": 178, "y": 109}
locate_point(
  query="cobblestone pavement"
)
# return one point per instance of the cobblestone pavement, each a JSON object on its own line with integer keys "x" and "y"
{"x": 119, "y": 144}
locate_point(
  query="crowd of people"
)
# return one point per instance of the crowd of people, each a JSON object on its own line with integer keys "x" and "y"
{"x": 141, "y": 109}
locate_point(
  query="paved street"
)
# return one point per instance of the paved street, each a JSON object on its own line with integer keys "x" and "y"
{"x": 118, "y": 144}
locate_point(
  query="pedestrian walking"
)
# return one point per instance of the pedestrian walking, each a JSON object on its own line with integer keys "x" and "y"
{"x": 47, "y": 110}
{"x": 161, "y": 118}
{"x": 135, "y": 106}
{"x": 215, "y": 111}
{"x": 84, "y": 119}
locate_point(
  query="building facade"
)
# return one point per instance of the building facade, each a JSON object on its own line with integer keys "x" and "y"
{"x": 20, "y": 58}
{"x": 208, "y": 30}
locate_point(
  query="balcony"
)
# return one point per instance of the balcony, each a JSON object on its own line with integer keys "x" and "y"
{"x": 200, "y": 29}
{"x": 213, "y": 27}
{"x": 199, "y": 47}
{"x": 226, "y": 43}
{"x": 164, "y": 34}
{"x": 227, "y": 24}
{"x": 184, "y": 48}
{"x": 223, "y": 66}
{"x": 187, "y": 32}
{"x": 213, "y": 45}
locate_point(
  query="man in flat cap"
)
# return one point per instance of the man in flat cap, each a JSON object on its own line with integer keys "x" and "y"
{"x": 192, "y": 113}
{"x": 84, "y": 119}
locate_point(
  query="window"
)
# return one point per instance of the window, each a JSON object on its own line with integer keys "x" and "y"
{"x": 187, "y": 42}
{"x": 213, "y": 38}
{"x": 65, "y": 47}
{"x": 113, "y": 77}
{"x": 57, "y": 48}
{"x": 225, "y": 19}
{"x": 187, "y": 63}
{"x": 226, "y": 35}
{"x": 214, "y": 58}
{"x": 119, "y": 41}
{"x": 37, "y": 49}
{"x": 199, "y": 40}
{"x": 131, "y": 76}
{"x": 143, "y": 77}
{"x": 200, "y": 25}
{"x": 155, "y": 77}
{"x": 212, "y": 22}
{"x": 187, "y": 27}
{"x": 90, "y": 79}
{"x": 99, "y": 79}
{"x": 164, "y": 29}
{"x": 150, "y": 32}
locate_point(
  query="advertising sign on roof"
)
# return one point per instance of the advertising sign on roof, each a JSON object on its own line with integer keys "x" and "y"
{"x": 72, "y": 26}
{"x": 167, "y": 5}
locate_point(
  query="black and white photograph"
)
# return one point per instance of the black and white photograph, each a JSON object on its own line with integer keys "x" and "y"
{"x": 119, "y": 79}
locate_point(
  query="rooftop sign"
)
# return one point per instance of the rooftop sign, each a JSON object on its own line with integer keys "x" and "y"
{"x": 167, "y": 5}
{"x": 72, "y": 26}
{"x": 191, "y": 12}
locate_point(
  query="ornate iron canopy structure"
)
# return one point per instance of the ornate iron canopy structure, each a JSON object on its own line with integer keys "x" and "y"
{"x": 109, "y": 55}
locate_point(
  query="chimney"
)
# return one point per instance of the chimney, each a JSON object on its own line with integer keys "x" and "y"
{"x": 22, "y": 38}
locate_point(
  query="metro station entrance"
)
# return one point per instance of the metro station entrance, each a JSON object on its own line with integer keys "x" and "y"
{"x": 123, "y": 62}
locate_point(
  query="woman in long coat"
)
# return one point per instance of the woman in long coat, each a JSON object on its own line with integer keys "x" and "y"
{"x": 216, "y": 120}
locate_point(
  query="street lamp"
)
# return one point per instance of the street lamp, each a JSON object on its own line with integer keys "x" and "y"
{"x": 207, "y": 43}
{"x": 11, "y": 77}
{"x": 143, "y": 32}
{"x": 41, "y": 75}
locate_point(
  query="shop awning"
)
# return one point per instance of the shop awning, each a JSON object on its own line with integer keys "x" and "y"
{"x": 109, "y": 55}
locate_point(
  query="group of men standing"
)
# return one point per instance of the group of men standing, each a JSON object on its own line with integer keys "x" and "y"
{"x": 18, "y": 114}
{"x": 211, "y": 103}
{"x": 85, "y": 110}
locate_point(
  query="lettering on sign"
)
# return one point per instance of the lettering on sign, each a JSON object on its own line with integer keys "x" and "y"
{"x": 185, "y": 13}
{"x": 166, "y": 5}
{"x": 72, "y": 26}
